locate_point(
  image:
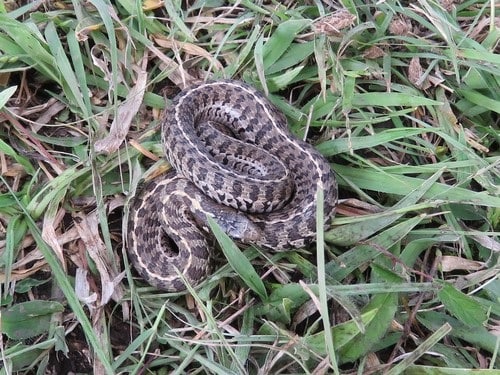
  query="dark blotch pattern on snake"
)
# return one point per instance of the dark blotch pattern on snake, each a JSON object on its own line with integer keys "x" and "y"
{"x": 236, "y": 161}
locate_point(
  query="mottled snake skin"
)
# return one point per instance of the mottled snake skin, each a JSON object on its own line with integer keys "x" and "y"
{"x": 236, "y": 161}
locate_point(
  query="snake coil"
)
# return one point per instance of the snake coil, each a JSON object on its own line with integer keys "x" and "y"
{"x": 236, "y": 161}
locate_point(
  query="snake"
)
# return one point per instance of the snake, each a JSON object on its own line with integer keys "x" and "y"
{"x": 234, "y": 160}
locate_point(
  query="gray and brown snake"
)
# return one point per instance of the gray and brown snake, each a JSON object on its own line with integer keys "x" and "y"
{"x": 236, "y": 161}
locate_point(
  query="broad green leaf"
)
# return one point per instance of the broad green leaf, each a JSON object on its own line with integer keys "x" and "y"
{"x": 55, "y": 189}
{"x": 292, "y": 291}
{"x": 177, "y": 20}
{"x": 21, "y": 356}
{"x": 361, "y": 254}
{"x": 477, "y": 335}
{"x": 70, "y": 84}
{"x": 241, "y": 57}
{"x": 28, "y": 319}
{"x": 25, "y": 285}
{"x": 77, "y": 61}
{"x": 482, "y": 54}
{"x": 16, "y": 231}
{"x": 281, "y": 39}
{"x": 297, "y": 53}
{"x": 105, "y": 14}
{"x": 242, "y": 349}
{"x": 413, "y": 249}
{"x": 463, "y": 307}
{"x": 379, "y": 288}
{"x": 279, "y": 311}
{"x": 283, "y": 80}
{"x": 348, "y": 94}
{"x": 342, "y": 334}
{"x": 322, "y": 293}
{"x": 385, "y": 306}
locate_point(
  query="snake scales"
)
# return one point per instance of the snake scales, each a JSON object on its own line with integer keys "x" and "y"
{"x": 236, "y": 161}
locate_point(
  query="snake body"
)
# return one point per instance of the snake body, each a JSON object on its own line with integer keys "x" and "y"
{"x": 236, "y": 161}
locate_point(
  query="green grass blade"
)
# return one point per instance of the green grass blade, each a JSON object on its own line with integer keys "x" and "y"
{"x": 33, "y": 47}
{"x": 238, "y": 260}
{"x": 421, "y": 349}
{"x": 354, "y": 232}
{"x": 403, "y": 185}
{"x": 69, "y": 82}
{"x": 360, "y": 254}
{"x": 5, "y": 95}
{"x": 281, "y": 39}
{"x": 323, "y": 300}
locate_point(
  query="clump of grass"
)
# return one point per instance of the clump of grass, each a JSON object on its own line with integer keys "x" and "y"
{"x": 402, "y": 98}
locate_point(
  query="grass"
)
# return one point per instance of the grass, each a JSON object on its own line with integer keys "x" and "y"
{"x": 403, "y": 99}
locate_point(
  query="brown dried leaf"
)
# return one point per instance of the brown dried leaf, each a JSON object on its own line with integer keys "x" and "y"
{"x": 49, "y": 235}
{"x": 17, "y": 275}
{"x": 125, "y": 114}
{"x": 12, "y": 169}
{"x": 85, "y": 27}
{"x": 88, "y": 229}
{"x": 494, "y": 327}
{"x": 189, "y": 48}
{"x": 415, "y": 73}
{"x": 41, "y": 152}
{"x": 374, "y": 52}
{"x": 473, "y": 140}
{"x": 26, "y": 260}
{"x": 470, "y": 137}
{"x": 448, "y": 5}
{"x": 148, "y": 5}
{"x": 435, "y": 81}
{"x": 488, "y": 242}
{"x": 481, "y": 29}
{"x": 323, "y": 368}
{"x": 52, "y": 108}
{"x": 142, "y": 150}
{"x": 452, "y": 263}
{"x": 82, "y": 289}
{"x": 400, "y": 26}
{"x": 304, "y": 312}
{"x": 372, "y": 361}
{"x": 177, "y": 73}
{"x": 333, "y": 23}
{"x": 311, "y": 294}
{"x": 355, "y": 207}
{"x": 100, "y": 59}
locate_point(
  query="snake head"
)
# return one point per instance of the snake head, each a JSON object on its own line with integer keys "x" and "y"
{"x": 235, "y": 224}
{"x": 239, "y": 227}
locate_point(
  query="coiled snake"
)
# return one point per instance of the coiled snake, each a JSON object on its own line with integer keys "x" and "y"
{"x": 236, "y": 161}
